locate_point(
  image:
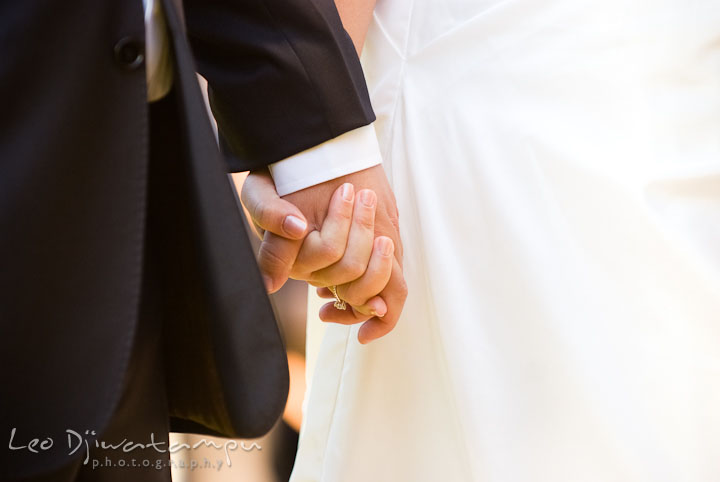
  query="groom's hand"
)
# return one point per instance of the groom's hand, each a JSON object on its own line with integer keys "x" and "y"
{"x": 322, "y": 206}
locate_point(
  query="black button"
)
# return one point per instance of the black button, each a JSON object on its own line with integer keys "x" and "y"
{"x": 130, "y": 53}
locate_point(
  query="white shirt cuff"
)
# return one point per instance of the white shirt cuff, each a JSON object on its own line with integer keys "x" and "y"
{"x": 350, "y": 152}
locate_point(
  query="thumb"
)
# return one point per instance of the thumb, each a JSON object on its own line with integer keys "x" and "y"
{"x": 268, "y": 210}
{"x": 276, "y": 258}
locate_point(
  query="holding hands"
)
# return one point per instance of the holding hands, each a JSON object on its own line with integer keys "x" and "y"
{"x": 340, "y": 233}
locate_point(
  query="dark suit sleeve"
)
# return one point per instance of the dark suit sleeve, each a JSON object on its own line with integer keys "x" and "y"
{"x": 283, "y": 75}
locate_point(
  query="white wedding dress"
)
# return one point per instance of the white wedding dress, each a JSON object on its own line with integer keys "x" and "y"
{"x": 557, "y": 170}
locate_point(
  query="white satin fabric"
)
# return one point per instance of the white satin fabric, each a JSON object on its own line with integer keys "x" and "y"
{"x": 557, "y": 169}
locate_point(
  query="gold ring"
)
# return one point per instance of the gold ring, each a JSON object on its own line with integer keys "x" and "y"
{"x": 339, "y": 304}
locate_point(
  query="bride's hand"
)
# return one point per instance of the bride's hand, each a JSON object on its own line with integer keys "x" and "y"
{"x": 343, "y": 251}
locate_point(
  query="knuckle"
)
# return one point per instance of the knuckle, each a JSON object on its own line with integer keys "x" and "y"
{"x": 259, "y": 211}
{"x": 247, "y": 190}
{"x": 395, "y": 221}
{"x": 302, "y": 275}
{"x": 402, "y": 289}
{"x": 271, "y": 256}
{"x": 353, "y": 268}
{"x": 366, "y": 221}
{"x": 393, "y": 217}
{"x": 354, "y": 298}
{"x": 346, "y": 212}
{"x": 331, "y": 251}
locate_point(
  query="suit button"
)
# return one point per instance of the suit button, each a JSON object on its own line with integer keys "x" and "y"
{"x": 130, "y": 53}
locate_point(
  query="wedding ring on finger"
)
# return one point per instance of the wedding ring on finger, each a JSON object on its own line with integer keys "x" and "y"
{"x": 339, "y": 304}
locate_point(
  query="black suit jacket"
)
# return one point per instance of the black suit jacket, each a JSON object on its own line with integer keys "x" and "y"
{"x": 283, "y": 76}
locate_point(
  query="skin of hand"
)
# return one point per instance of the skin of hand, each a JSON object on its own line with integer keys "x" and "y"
{"x": 336, "y": 219}
{"x": 356, "y": 16}
{"x": 339, "y": 252}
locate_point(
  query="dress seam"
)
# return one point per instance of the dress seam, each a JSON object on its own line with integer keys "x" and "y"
{"x": 440, "y": 353}
{"x": 335, "y": 403}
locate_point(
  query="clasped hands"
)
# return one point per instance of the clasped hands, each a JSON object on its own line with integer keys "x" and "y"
{"x": 343, "y": 233}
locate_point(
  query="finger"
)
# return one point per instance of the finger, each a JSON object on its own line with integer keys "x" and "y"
{"x": 359, "y": 246}
{"x": 322, "y": 248}
{"x": 268, "y": 211}
{"x": 379, "y": 270}
{"x": 394, "y": 294}
{"x": 324, "y": 292}
{"x": 374, "y": 307}
{"x": 275, "y": 259}
{"x": 330, "y": 314}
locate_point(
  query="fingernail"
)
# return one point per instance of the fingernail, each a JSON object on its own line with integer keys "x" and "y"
{"x": 294, "y": 226}
{"x": 379, "y": 313}
{"x": 386, "y": 246}
{"x": 367, "y": 197}
{"x": 347, "y": 191}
